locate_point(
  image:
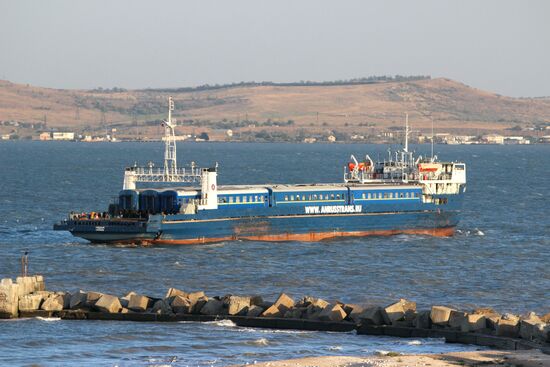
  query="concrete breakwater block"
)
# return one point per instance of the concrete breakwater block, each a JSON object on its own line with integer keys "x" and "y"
{"x": 440, "y": 315}
{"x": 107, "y": 303}
{"x": 280, "y": 307}
{"x": 55, "y": 302}
{"x": 238, "y": 305}
{"x": 138, "y": 303}
{"x": 78, "y": 300}
{"x": 30, "y": 302}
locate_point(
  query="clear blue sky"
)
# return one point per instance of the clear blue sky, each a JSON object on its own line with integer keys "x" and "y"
{"x": 501, "y": 46}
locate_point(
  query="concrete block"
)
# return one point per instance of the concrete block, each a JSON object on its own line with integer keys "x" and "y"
{"x": 172, "y": 292}
{"x": 456, "y": 319}
{"x": 198, "y": 304}
{"x": 195, "y": 296}
{"x": 475, "y": 322}
{"x": 333, "y": 313}
{"x": 78, "y": 300}
{"x": 9, "y": 299}
{"x": 238, "y": 305}
{"x": 109, "y": 304}
{"x": 30, "y": 302}
{"x": 161, "y": 307}
{"x": 280, "y": 307}
{"x": 54, "y": 302}
{"x": 397, "y": 310}
{"x": 423, "y": 320}
{"x": 256, "y": 300}
{"x": 440, "y": 315}
{"x": 138, "y": 303}
{"x": 508, "y": 327}
{"x": 532, "y": 329}
{"x": 212, "y": 307}
{"x": 355, "y": 313}
{"x": 124, "y": 301}
{"x": 373, "y": 316}
{"x": 92, "y": 298}
{"x": 181, "y": 305}
{"x": 66, "y": 300}
{"x": 254, "y": 311}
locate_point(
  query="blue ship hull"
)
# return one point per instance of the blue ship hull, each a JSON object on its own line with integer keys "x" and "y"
{"x": 280, "y": 221}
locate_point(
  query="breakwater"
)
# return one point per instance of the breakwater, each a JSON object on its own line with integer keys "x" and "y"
{"x": 28, "y": 297}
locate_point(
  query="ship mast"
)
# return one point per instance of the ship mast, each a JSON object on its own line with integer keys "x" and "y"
{"x": 170, "y": 172}
{"x": 406, "y": 148}
{"x": 170, "y": 162}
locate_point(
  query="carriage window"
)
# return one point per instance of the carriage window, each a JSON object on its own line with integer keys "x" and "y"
{"x": 363, "y": 195}
{"x": 231, "y": 199}
{"x": 286, "y": 197}
{"x": 314, "y": 196}
{"x": 237, "y": 199}
{"x": 291, "y": 197}
{"x": 368, "y": 195}
{"x": 390, "y": 195}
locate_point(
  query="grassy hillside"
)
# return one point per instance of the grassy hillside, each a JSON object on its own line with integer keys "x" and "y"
{"x": 350, "y": 108}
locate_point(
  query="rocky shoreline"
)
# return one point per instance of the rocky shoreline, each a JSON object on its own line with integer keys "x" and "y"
{"x": 28, "y": 297}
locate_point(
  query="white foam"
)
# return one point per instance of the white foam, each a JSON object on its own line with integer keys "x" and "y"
{"x": 414, "y": 342}
{"x": 48, "y": 319}
{"x": 334, "y": 347}
{"x": 224, "y": 323}
{"x": 261, "y": 342}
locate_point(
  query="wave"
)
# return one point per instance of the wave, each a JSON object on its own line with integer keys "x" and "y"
{"x": 48, "y": 319}
{"x": 259, "y": 342}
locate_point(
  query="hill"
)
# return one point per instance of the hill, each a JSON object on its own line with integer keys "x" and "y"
{"x": 352, "y": 107}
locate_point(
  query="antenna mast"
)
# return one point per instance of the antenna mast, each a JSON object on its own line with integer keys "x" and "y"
{"x": 170, "y": 164}
{"x": 432, "y": 139}
{"x": 406, "y": 149}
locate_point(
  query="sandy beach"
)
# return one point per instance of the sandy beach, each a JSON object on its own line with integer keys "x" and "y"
{"x": 487, "y": 358}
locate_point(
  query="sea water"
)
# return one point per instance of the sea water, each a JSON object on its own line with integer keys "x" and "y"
{"x": 499, "y": 257}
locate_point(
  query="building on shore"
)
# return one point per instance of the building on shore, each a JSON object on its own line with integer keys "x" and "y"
{"x": 493, "y": 139}
{"x": 45, "y": 136}
{"x": 59, "y": 135}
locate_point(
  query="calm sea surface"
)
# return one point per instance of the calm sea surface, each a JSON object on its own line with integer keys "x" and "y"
{"x": 500, "y": 256}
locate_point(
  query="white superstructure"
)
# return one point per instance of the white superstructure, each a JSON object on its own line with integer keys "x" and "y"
{"x": 170, "y": 173}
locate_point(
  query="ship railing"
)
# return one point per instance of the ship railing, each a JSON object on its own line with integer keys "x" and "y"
{"x": 160, "y": 174}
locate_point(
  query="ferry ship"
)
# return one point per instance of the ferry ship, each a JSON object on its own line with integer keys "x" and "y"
{"x": 399, "y": 195}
